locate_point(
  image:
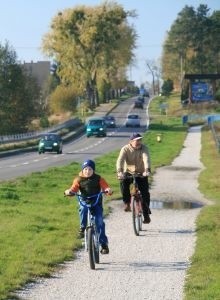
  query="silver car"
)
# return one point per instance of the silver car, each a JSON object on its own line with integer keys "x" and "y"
{"x": 133, "y": 120}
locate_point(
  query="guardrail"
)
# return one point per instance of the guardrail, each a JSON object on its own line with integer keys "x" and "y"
{"x": 216, "y": 135}
{"x": 72, "y": 123}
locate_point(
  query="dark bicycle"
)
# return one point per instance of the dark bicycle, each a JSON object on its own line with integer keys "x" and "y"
{"x": 136, "y": 204}
{"x": 91, "y": 237}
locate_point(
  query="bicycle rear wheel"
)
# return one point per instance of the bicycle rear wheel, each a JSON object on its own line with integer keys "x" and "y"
{"x": 135, "y": 216}
{"x": 91, "y": 248}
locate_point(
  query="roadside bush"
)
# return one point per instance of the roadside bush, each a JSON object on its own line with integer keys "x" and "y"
{"x": 44, "y": 122}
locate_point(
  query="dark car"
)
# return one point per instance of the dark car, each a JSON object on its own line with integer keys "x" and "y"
{"x": 141, "y": 98}
{"x": 110, "y": 121}
{"x": 138, "y": 104}
{"x": 146, "y": 94}
{"x": 96, "y": 127}
{"x": 50, "y": 142}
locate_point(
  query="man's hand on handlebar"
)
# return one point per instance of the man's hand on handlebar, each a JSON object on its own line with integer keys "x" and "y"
{"x": 147, "y": 173}
{"x": 120, "y": 175}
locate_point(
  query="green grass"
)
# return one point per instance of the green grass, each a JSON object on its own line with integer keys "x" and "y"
{"x": 39, "y": 226}
{"x": 203, "y": 277}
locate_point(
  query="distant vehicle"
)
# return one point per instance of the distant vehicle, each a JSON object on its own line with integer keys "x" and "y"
{"x": 143, "y": 92}
{"x": 133, "y": 120}
{"x": 50, "y": 142}
{"x": 96, "y": 127}
{"x": 146, "y": 94}
{"x": 141, "y": 98}
{"x": 110, "y": 121}
{"x": 138, "y": 104}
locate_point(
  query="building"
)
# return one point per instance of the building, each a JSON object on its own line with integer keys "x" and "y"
{"x": 39, "y": 70}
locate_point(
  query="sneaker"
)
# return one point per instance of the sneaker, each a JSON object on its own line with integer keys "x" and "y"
{"x": 147, "y": 219}
{"x": 104, "y": 249}
{"x": 81, "y": 232}
{"x": 127, "y": 207}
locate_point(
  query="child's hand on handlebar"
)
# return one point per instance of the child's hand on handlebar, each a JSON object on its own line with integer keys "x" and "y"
{"x": 69, "y": 193}
{"x": 108, "y": 191}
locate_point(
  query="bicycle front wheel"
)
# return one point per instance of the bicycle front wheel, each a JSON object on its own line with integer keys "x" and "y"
{"x": 96, "y": 247}
{"x": 140, "y": 219}
{"x": 135, "y": 216}
{"x": 91, "y": 248}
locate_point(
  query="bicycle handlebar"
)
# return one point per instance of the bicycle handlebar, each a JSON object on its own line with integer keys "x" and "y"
{"x": 84, "y": 200}
{"x": 135, "y": 175}
{"x": 128, "y": 175}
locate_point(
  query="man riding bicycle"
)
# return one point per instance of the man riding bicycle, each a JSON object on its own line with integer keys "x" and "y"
{"x": 134, "y": 158}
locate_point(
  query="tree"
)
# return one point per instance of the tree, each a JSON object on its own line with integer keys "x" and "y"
{"x": 155, "y": 71}
{"x": 91, "y": 45}
{"x": 167, "y": 87}
{"x": 192, "y": 44}
{"x": 19, "y": 94}
{"x": 63, "y": 98}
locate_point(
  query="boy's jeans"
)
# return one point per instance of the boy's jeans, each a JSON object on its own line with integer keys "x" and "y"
{"x": 100, "y": 224}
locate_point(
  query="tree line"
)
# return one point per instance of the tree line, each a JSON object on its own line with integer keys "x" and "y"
{"x": 92, "y": 47}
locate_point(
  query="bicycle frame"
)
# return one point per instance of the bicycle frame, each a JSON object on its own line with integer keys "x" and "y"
{"x": 136, "y": 204}
{"x": 91, "y": 236}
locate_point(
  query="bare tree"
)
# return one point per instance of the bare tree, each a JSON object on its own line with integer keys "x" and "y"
{"x": 155, "y": 70}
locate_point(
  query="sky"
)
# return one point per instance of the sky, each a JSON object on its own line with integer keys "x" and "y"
{"x": 23, "y": 23}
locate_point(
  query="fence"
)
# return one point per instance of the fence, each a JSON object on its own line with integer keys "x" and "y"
{"x": 72, "y": 123}
{"x": 216, "y": 135}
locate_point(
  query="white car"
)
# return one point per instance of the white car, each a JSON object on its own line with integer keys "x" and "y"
{"x": 133, "y": 120}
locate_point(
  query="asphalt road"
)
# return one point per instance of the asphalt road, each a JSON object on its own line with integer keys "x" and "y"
{"x": 78, "y": 150}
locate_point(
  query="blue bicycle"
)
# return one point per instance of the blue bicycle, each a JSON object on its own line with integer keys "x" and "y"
{"x": 91, "y": 236}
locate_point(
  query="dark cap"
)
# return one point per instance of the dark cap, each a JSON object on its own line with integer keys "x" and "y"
{"x": 135, "y": 136}
{"x": 88, "y": 163}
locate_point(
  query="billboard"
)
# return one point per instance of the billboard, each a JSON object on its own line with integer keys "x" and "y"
{"x": 201, "y": 91}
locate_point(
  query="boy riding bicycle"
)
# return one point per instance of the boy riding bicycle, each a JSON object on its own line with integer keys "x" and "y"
{"x": 89, "y": 183}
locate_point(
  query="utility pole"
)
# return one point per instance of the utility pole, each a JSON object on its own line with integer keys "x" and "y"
{"x": 152, "y": 73}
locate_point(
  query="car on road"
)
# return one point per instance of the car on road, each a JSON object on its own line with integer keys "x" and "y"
{"x": 50, "y": 142}
{"x": 96, "y": 127}
{"x": 138, "y": 104}
{"x": 110, "y": 121}
{"x": 133, "y": 120}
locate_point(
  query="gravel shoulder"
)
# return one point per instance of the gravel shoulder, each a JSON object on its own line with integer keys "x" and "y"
{"x": 151, "y": 266}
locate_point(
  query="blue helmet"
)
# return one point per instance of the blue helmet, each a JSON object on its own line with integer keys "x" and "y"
{"x": 88, "y": 163}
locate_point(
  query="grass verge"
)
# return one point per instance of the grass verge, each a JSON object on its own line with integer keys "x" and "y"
{"x": 203, "y": 277}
